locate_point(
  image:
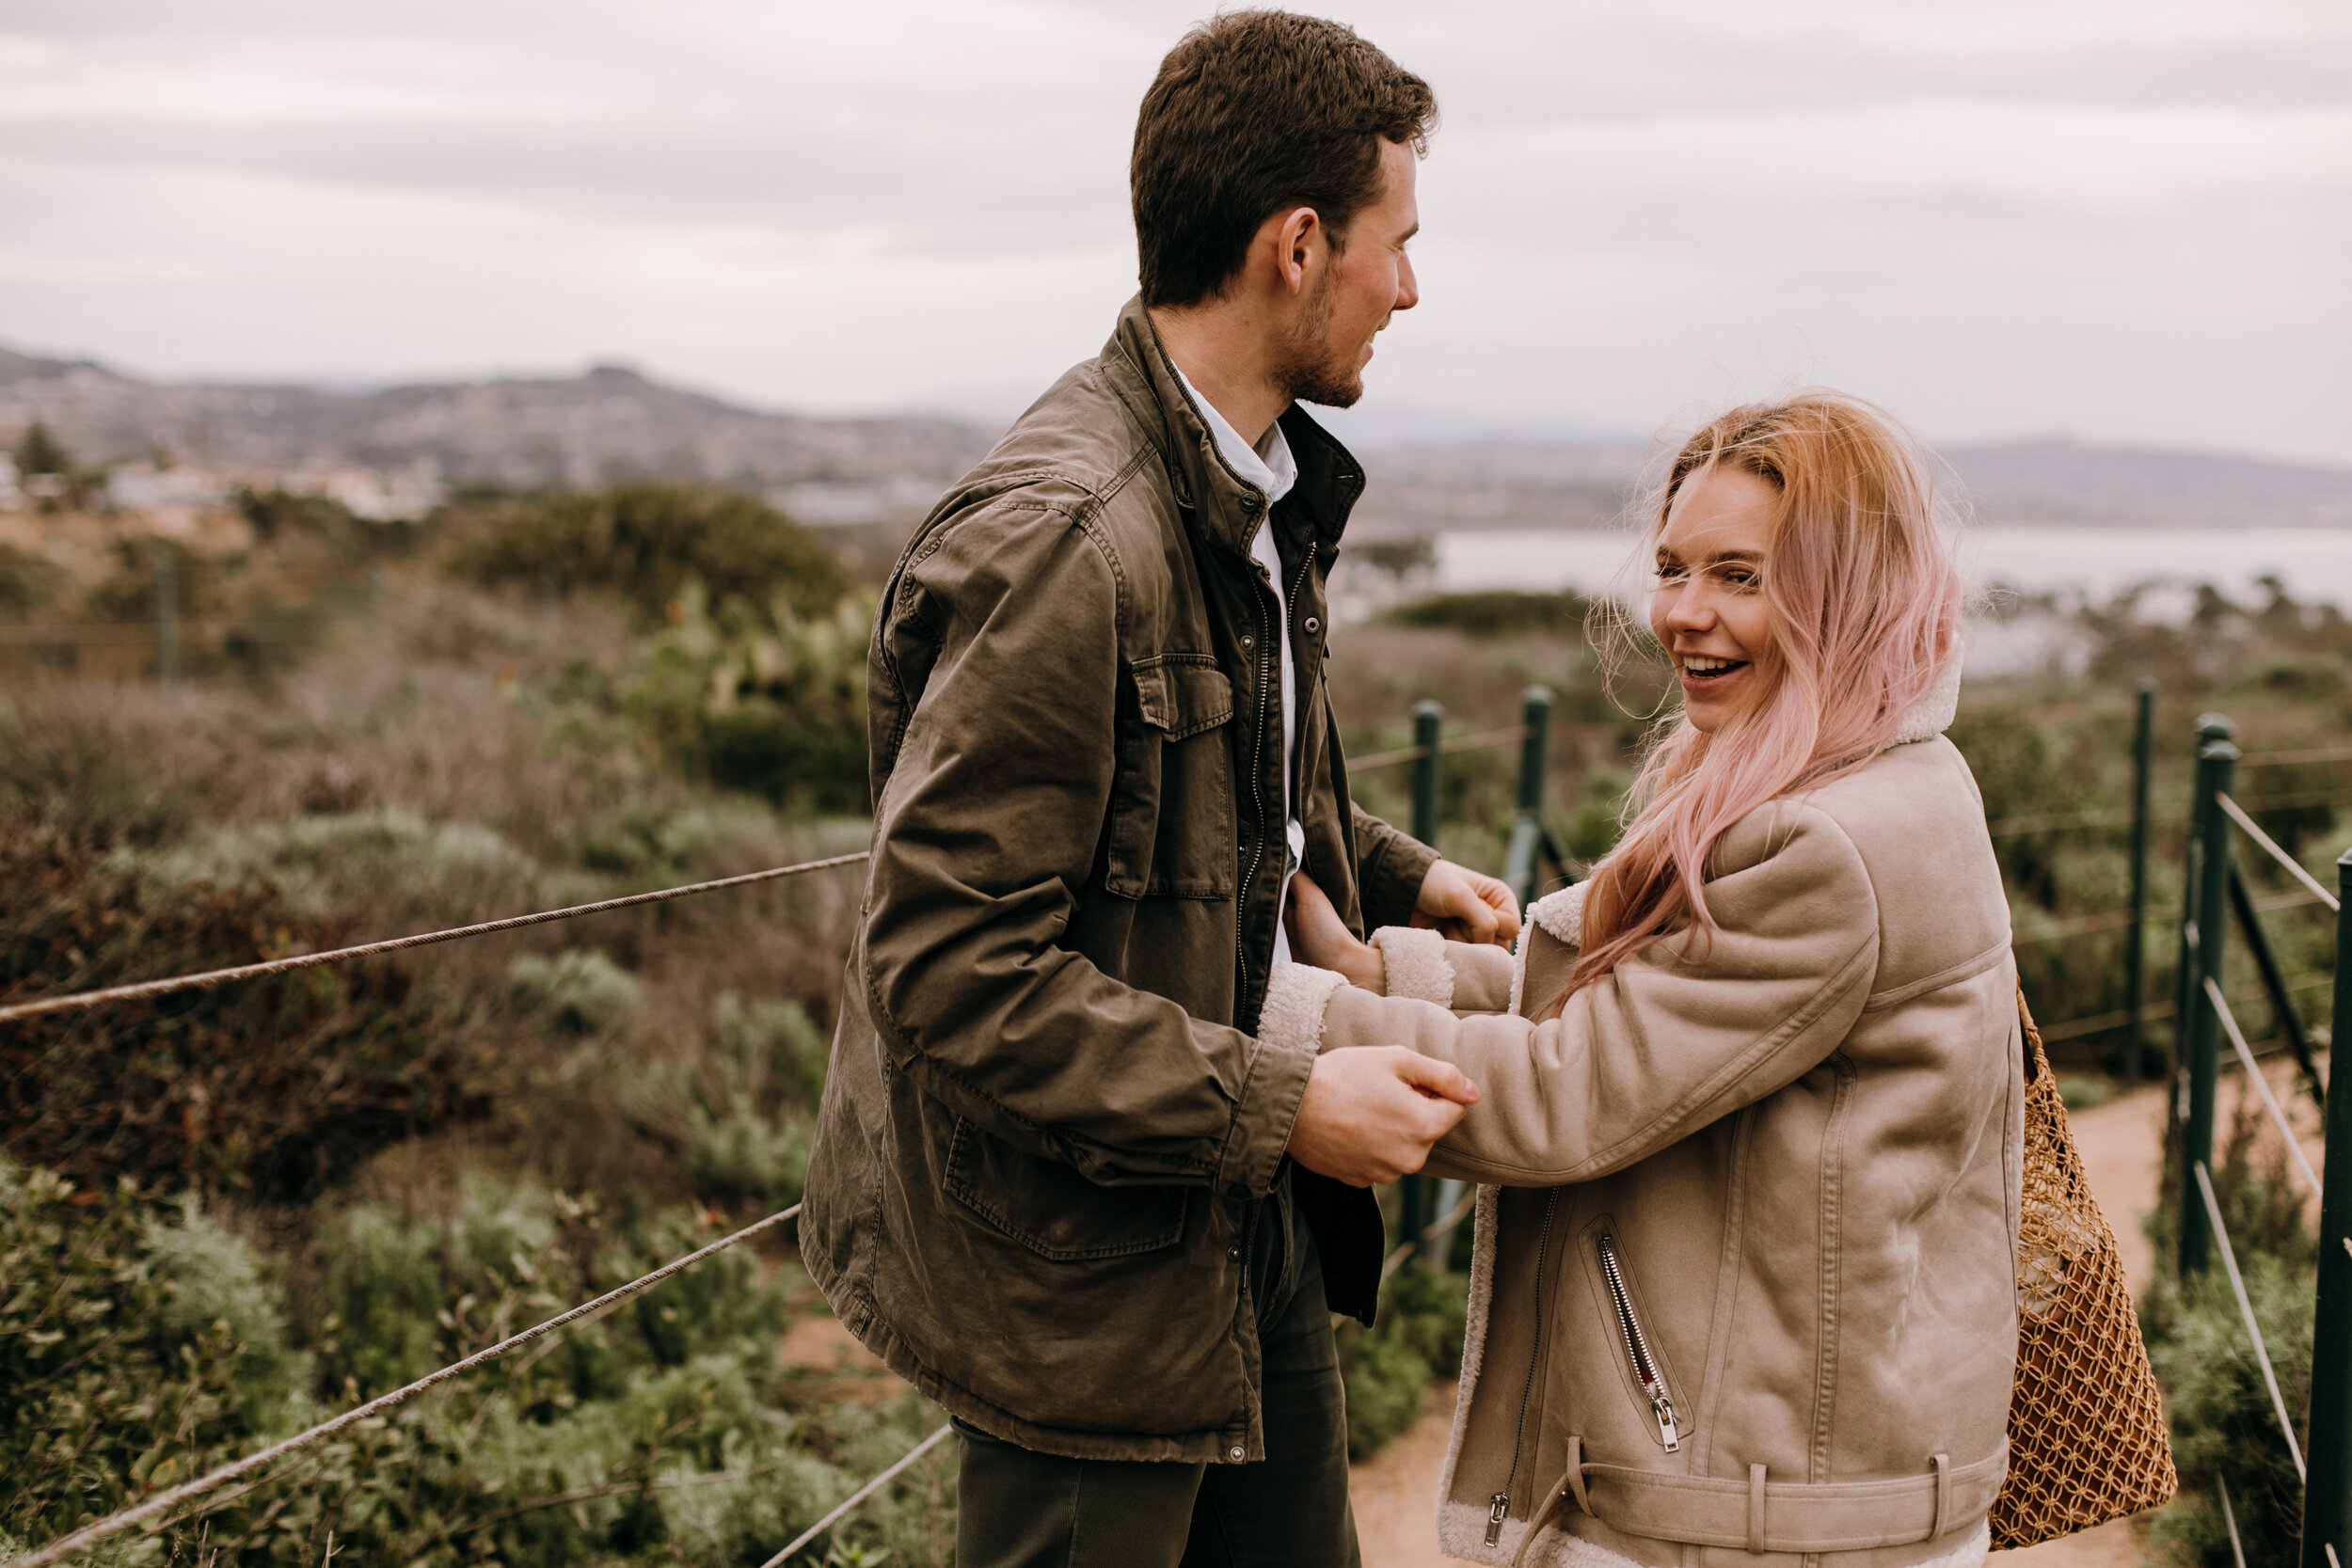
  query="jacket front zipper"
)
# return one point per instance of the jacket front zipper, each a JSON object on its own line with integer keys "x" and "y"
{"x": 1501, "y": 1504}
{"x": 1637, "y": 1346}
{"x": 1257, "y": 760}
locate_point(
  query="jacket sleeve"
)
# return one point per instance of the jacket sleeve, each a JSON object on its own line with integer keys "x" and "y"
{"x": 985, "y": 839}
{"x": 1390, "y": 865}
{"x": 1685, "y": 1032}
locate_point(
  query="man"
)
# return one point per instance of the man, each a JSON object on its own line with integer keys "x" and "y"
{"x": 1057, "y": 1183}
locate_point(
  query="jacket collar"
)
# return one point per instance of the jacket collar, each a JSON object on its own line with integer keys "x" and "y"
{"x": 1932, "y": 713}
{"x": 1225, "y": 506}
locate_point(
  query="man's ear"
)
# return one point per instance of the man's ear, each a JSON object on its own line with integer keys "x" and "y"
{"x": 1299, "y": 246}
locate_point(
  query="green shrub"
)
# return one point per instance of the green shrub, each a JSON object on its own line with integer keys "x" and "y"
{"x": 579, "y": 991}
{"x": 647, "y": 541}
{"x": 2225, "y": 1430}
{"x": 1499, "y": 613}
{"x": 662, "y": 1430}
{"x": 775, "y": 712}
{"x": 275, "y": 1084}
{"x": 113, "y": 1377}
{"x": 1417, "y": 1336}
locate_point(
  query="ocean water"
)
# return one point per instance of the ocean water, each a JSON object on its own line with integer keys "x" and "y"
{"x": 2315, "y": 565}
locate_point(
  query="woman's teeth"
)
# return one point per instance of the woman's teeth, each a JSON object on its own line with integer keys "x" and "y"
{"x": 1694, "y": 664}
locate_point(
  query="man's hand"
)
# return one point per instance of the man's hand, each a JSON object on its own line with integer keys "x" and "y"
{"x": 1466, "y": 907}
{"x": 1370, "y": 1112}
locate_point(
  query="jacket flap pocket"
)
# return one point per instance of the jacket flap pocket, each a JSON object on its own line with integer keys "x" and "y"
{"x": 1053, "y": 1211}
{"x": 1183, "y": 694}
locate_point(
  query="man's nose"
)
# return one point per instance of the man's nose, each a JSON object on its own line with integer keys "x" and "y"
{"x": 1408, "y": 286}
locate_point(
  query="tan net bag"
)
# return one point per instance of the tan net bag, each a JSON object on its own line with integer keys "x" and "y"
{"x": 2087, "y": 1440}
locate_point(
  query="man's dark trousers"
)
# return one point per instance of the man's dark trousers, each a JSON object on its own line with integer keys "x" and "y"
{"x": 1022, "y": 1509}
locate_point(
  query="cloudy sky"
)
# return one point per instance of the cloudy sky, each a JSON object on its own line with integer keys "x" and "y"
{"x": 2122, "y": 219}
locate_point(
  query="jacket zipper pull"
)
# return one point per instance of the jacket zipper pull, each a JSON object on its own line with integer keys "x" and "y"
{"x": 1665, "y": 1406}
{"x": 1495, "y": 1511}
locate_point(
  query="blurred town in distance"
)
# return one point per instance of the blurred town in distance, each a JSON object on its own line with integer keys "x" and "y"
{"x": 170, "y": 450}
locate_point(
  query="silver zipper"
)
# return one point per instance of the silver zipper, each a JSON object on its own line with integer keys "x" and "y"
{"x": 1502, "y": 1503}
{"x": 1637, "y": 1346}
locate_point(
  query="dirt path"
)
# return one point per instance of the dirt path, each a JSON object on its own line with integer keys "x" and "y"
{"x": 1395, "y": 1491}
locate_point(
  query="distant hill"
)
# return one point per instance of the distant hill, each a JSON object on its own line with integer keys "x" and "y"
{"x": 609, "y": 423}
{"x": 613, "y": 424}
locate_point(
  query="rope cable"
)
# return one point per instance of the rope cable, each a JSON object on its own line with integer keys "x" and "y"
{"x": 1478, "y": 742}
{"x": 821, "y": 1526}
{"x": 2237, "y": 815}
{"x": 163, "y": 1502}
{"x": 79, "y": 999}
{"x": 2261, "y": 1087}
{"x": 2229, "y": 1517}
{"x": 2245, "y": 1310}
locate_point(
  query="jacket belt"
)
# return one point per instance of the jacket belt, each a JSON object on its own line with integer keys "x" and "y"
{"x": 1760, "y": 1514}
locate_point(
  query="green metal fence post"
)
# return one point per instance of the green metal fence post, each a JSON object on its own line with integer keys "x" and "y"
{"x": 2136, "y": 935}
{"x": 2210, "y": 728}
{"x": 1413, "y": 1193}
{"x": 1428, "y": 718}
{"x": 2215, "y": 761}
{"x": 1522, "y": 868}
{"x": 2327, "y": 1492}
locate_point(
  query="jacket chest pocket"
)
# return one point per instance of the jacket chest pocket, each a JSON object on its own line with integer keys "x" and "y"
{"x": 1171, "y": 813}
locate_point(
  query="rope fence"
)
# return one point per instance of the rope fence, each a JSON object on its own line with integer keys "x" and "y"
{"x": 2245, "y": 1310}
{"x": 2261, "y": 1087}
{"x": 2247, "y": 825}
{"x": 842, "y": 1512}
{"x": 157, "y": 1508}
{"x": 2115, "y": 920}
{"x": 145, "y": 988}
{"x": 1482, "y": 740}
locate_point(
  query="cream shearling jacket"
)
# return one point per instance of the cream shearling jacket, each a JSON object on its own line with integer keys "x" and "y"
{"x": 1743, "y": 1288}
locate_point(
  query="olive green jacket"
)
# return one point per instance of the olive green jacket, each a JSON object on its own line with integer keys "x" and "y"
{"x": 1048, "y": 1126}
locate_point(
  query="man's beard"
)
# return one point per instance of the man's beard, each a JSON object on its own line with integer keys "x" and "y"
{"x": 1308, "y": 367}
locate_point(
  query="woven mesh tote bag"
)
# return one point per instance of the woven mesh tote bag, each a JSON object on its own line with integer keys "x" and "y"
{"x": 2087, "y": 1440}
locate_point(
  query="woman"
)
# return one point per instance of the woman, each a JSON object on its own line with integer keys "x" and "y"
{"x": 1753, "y": 1102}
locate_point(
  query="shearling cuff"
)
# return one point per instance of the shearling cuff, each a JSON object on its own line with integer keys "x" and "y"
{"x": 1416, "y": 963}
{"x": 1292, "y": 1018}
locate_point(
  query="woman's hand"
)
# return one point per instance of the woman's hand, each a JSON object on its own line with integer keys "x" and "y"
{"x": 1321, "y": 937}
{"x": 1467, "y": 906}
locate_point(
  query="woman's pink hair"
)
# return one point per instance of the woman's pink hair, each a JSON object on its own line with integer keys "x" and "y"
{"x": 1866, "y": 605}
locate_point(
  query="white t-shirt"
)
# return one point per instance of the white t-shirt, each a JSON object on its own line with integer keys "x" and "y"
{"x": 1270, "y": 466}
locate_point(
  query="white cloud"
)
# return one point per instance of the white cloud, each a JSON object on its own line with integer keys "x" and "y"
{"x": 2115, "y": 217}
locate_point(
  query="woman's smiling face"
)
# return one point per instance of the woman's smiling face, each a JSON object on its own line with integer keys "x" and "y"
{"x": 1709, "y": 608}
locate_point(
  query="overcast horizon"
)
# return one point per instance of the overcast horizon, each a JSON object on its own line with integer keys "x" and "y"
{"x": 2122, "y": 223}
